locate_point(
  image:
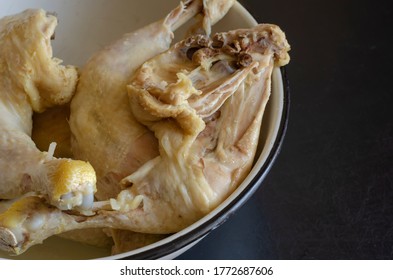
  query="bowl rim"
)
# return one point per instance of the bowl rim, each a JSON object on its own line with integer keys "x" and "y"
{"x": 201, "y": 230}
{"x": 221, "y": 216}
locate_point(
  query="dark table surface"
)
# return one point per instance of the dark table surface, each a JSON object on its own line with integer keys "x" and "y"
{"x": 329, "y": 194}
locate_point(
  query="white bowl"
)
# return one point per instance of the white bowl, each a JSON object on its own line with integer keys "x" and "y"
{"x": 87, "y": 26}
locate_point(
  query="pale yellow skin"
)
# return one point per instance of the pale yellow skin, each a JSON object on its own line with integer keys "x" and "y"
{"x": 53, "y": 124}
{"x": 104, "y": 130}
{"x": 204, "y": 151}
{"x": 31, "y": 80}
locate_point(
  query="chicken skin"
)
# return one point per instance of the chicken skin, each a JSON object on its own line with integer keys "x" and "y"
{"x": 31, "y": 80}
{"x": 104, "y": 131}
{"x": 202, "y": 101}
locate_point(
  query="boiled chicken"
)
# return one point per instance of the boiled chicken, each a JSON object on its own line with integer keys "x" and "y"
{"x": 105, "y": 132}
{"x": 52, "y": 125}
{"x": 31, "y": 80}
{"x": 204, "y": 100}
{"x": 101, "y": 118}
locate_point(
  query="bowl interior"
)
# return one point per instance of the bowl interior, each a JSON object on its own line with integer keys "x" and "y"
{"x": 87, "y": 26}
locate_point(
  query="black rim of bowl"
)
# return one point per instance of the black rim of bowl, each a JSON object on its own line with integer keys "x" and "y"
{"x": 218, "y": 219}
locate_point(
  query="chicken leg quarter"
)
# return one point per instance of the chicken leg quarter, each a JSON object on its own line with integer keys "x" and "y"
{"x": 195, "y": 106}
{"x": 31, "y": 80}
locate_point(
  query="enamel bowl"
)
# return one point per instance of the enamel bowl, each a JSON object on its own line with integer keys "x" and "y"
{"x": 89, "y": 25}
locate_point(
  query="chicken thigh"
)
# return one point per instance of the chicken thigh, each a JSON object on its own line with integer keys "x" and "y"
{"x": 31, "y": 80}
{"x": 204, "y": 100}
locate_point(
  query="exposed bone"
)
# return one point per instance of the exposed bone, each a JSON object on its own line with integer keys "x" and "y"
{"x": 7, "y": 240}
{"x": 31, "y": 80}
{"x": 200, "y": 164}
{"x": 101, "y": 119}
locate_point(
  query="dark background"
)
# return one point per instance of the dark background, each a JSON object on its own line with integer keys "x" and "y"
{"x": 329, "y": 194}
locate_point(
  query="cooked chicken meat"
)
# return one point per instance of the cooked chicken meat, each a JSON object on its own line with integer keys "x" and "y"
{"x": 31, "y": 80}
{"x": 102, "y": 110}
{"x": 205, "y": 109}
{"x": 105, "y": 132}
{"x": 52, "y": 125}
